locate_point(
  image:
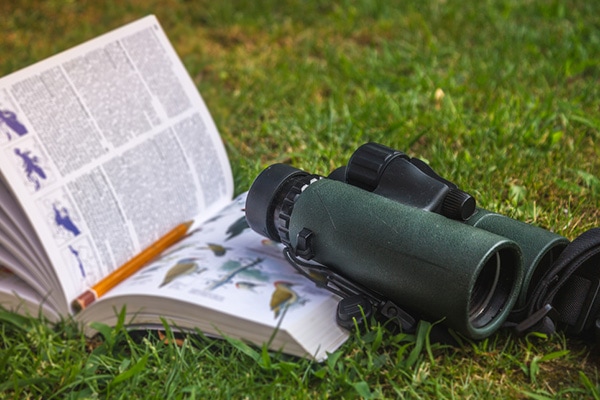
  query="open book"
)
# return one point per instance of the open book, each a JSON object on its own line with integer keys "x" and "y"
{"x": 106, "y": 147}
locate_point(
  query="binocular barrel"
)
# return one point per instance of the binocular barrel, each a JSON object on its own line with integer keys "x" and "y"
{"x": 436, "y": 267}
{"x": 380, "y": 169}
{"x": 540, "y": 247}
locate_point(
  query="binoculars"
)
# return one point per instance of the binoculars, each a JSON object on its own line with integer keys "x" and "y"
{"x": 393, "y": 237}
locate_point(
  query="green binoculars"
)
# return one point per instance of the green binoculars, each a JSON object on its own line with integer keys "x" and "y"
{"x": 391, "y": 228}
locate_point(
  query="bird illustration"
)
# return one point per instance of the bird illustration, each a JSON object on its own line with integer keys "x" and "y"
{"x": 217, "y": 249}
{"x": 234, "y": 268}
{"x": 185, "y": 266}
{"x": 283, "y": 296}
{"x": 237, "y": 228}
{"x": 246, "y": 285}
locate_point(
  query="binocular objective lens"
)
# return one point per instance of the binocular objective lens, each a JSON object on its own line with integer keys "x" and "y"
{"x": 484, "y": 304}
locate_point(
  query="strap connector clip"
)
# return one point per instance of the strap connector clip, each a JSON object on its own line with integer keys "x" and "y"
{"x": 543, "y": 317}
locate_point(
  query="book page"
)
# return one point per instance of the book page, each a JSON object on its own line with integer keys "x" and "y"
{"x": 107, "y": 147}
{"x": 17, "y": 296}
{"x": 225, "y": 276}
{"x": 225, "y": 264}
{"x": 16, "y": 227}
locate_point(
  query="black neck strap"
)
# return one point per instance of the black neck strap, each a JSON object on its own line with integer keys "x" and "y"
{"x": 567, "y": 297}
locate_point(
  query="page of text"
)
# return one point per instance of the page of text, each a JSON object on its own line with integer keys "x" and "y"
{"x": 108, "y": 146}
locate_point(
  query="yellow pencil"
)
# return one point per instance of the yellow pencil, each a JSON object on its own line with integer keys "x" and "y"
{"x": 131, "y": 266}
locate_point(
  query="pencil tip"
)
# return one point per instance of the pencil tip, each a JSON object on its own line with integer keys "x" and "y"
{"x": 76, "y": 306}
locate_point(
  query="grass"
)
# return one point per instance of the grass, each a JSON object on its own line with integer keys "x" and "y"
{"x": 501, "y": 97}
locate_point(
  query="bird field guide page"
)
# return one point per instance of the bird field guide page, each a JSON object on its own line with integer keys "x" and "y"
{"x": 106, "y": 147}
{"x": 225, "y": 279}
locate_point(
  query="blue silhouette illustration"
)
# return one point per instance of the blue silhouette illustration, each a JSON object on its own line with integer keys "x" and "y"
{"x": 9, "y": 119}
{"x": 76, "y": 254}
{"x": 32, "y": 169}
{"x": 63, "y": 219}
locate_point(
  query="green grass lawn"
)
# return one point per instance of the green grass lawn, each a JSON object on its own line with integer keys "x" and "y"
{"x": 501, "y": 97}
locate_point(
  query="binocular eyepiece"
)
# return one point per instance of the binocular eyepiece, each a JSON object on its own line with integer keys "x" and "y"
{"x": 389, "y": 224}
{"x": 392, "y": 174}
